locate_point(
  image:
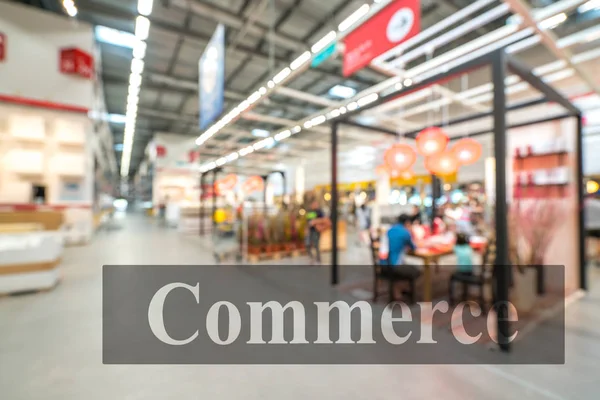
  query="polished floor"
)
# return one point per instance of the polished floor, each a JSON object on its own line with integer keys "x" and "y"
{"x": 50, "y": 346}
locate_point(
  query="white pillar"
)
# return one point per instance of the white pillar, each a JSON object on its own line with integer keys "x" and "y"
{"x": 382, "y": 199}
{"x": 300, "y": 181}
{"x": 270, "y": 194}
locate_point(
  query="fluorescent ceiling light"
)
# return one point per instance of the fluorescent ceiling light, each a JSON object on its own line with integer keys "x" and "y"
{"x": 116, "y": 118}
{"x": 115, "y": 37}
{"x": 368, "y": 99}
{"x": 296, "y": 129}
{"x": 318, "y": 120}
{"x": 334, "y": 114}
{"x": 142, "y": 27}
{"x": 253, "y": 98}
{"x": 260, "y": 133}
{"x": 132, "y": 100}
{"x": 354, "y": 17}
{"x": 259, "y": 145}
{"x": 282, "y": 75}
{"x": 589, "y": 6}
{"x": 133, "y": 90}
{"x": 271, "y": 84}
{"x": 243, "y": 106}
{"x": 139, "y": 50}
{"x": 145, "y": 7}
{"x": 300, "y": 61}
{"x": 283, "y": 135}
{"x": 221, "y": 161}
{"x": 135, "y": 80}
{"x": 323, "y": 42}
{"x": 233, "y": 157}
{"x": 262, "y": 90}
{"x": 137, "y": 66}
{"x": 72, "y": 11}
{"x": 308, "y": 124}
{"x": 246, "y": 150}
{"x": 352, "y": 106}
{"x": 553, "y": 22}
{"x": 342, "y": 92}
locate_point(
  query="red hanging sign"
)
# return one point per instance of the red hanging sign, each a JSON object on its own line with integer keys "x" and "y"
{"x": 2, "y": 47}
{"x": 396, "y": 23}
{"x": 193, "y": 156}
{"x": 74, "y": 61}
{"x": 161, "y": 151}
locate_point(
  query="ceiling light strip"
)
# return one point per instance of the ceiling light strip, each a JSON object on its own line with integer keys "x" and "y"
{"x": 142, "y": 29}
{"x": 294, "y": 68}
{"x": 476, "y": 95}
{"x": 70, "y": 8}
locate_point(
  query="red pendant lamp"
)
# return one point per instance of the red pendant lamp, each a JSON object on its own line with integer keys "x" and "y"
{"x": 443, "y": 164}
{"x": 253, "y": 184}
{"x": 226, "y": 184}
{"x": 467, "y": 151}
{"x": 399, "y": 157}
{"x": 431, "y": 141}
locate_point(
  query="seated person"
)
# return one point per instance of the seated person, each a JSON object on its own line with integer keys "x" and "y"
{"x": 464, "y": 254}
{"x": 399, "y": 239}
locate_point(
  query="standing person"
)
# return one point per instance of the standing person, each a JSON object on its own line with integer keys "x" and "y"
{"x": 363, "y": 215}
{"x": 317, "y": 222}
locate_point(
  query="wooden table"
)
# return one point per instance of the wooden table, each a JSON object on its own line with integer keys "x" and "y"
{"x": 20, "y": 227}
{"x": 429, "y": 257}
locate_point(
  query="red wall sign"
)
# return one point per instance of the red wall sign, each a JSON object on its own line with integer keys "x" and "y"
{"x": 74, "y": 61}
{"x": 396, "y": 23}
{"x": 2, "y": 46}
{"x": 161, "y": 151}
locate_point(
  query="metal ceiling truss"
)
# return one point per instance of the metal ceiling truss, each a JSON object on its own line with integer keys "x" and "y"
{"x": 518, "y": 36}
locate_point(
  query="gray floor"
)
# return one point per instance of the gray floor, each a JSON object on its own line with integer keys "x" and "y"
{"x": 50, "y": 347}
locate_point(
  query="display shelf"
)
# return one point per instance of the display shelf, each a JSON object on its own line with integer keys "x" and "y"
{"x": 534, "y": 161}
{"x": 545, "y": 191}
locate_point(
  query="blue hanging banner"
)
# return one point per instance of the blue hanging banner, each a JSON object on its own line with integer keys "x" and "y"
{"x": 324, "y": 55}
{"x": 211, "y": 85}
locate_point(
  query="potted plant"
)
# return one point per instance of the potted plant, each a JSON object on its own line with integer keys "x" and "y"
{"x": 532, "y": 225}
{"x": 254, "y": 236}
{"x": 301, "y": 232}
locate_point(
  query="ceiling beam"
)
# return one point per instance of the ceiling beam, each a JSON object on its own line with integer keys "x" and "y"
{"x": 215, "y": 13}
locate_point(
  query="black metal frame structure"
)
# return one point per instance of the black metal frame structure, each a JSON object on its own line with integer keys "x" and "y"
{"x": 214, "y": 173}
{"x": 500, "y": 63}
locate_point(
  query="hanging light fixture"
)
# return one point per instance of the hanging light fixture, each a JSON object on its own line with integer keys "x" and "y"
{"x": 443, "y": 164}
{"x": 399, "y": 157}
{"x": 253, "y": 184}
{"x": 226, "y": 184}
{"x": 431, "y": 141}
{"x": 467, "y": 151}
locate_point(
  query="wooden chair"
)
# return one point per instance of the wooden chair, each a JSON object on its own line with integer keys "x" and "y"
{"x": 480, "y": 280}
{"x": 391, "y": 274}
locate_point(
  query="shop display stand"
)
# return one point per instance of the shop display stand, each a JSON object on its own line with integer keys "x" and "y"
{"x": 501, "y": 63}
{"x": 550, "y": 166}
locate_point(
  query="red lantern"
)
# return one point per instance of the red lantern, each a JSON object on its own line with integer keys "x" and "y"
{"x": 431, "y": 141}
{"x": 399, "y": 157}
{"x": 442, "y": 164}
{"x": 253, "y": 184}
{"x": 467, "y": 151}
{"x": 226, "y": 184}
